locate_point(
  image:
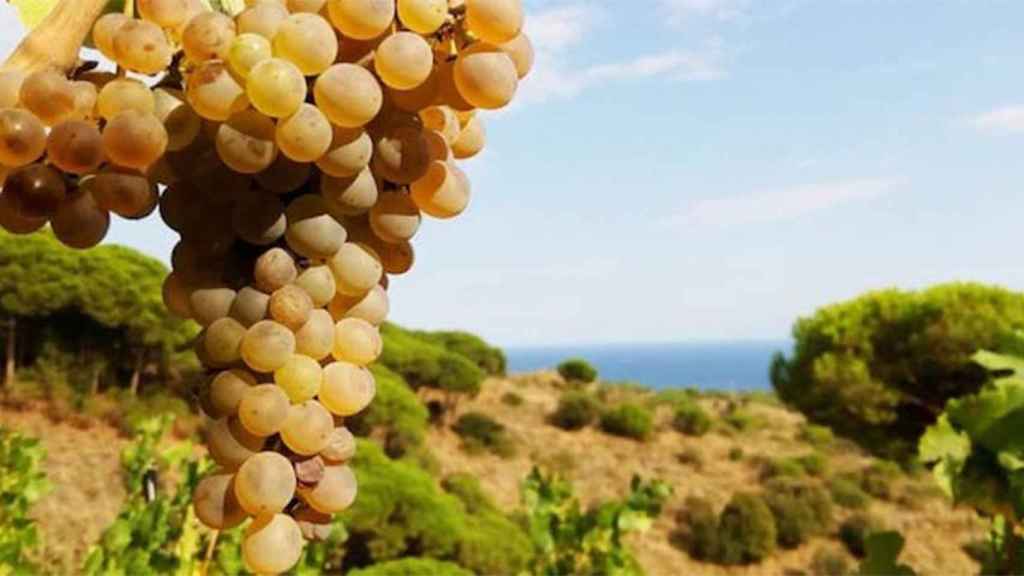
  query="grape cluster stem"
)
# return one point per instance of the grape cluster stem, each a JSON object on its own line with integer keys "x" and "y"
{"x": 56, "y": 42}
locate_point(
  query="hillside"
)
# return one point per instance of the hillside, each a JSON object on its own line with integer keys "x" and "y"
{"x": 83, "y": 465}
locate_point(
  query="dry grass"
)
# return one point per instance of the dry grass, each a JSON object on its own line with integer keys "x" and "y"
{"x": 83, "y": 464}
{"x": 601, "y": 467}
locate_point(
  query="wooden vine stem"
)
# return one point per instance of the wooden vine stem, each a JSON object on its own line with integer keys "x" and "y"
{"x": 55, "y": 43}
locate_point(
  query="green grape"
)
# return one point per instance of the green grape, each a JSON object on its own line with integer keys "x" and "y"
{"x": 267, "y": 346}
{"x": 180, "y": 120}
{"x": 214, "y": 93}
{"x": 215, "y": 503}
{"x": 347, "y": 389}
{"x": 319, "y": 283}
{"x": 423, "y": 16}
{"x": 520, "y": 50}
{"x": 291, "y": 306}
{"x": 79, "y": 223}
{"x": 165, "y": 13}
{"x": 103, "y": 32}
{"x": 308, "y": 41}
{"x": 335, "y": 492}
{"x": 494, "y": 21}
{"x": 395, "y": 217}
{"x": 250, "y": 306}
{"x": 246, "y": 51}
{"x": 208, "y": 36}
{"x": 306, "y": 135}
{"x": 349, "y": 196}
{"x": 265, "y": 483}
{"x": 272, "y": 544}
{"x": 48, "y": 95}
{"x": 308, "y": 428}
{"x": 141, "y": 46}
{"x": 124, "y": 192}
{"x": 341, "y": 447}
{"x": 209, "y": 304}
{"x": 300, "y": 379}
{"x": 263, "y": 410}
{"x": 373, "y": 307}
{"x": 312, "y": 231}
{"x": 263, "y": 18}
{"x": 356, "y": 269}
{"x": 276, "y": 87}
{"x": 349, "y": 153}
{"x": 227, "y": 389}
{"x": 356, "y": 341}
{"x": 443, "y": 192}
{"x": 404, "y": 61}
{"x": 124, "y": 94}
{"x": 246, "y": 142}
{"x": 75, "y": 146}
{"x": 223, "y": 341}
{"x": 316, "y": 338}
{"x": 134, "y": 140}
{"x": 486, "y": 77}
{"x": 349, "y": 95}
{"x": 361, "y": 19}
{"x": 22, "y": 137}
{"x": 471, "y": 140}
{"x": 401, "y": 154}
{"x": 274, "y": 270}
{"x": 230, "y": 443}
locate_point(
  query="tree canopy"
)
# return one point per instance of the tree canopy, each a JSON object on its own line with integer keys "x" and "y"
{"x": 880, "y": 368}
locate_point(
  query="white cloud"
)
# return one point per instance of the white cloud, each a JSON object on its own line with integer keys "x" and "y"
{"x": 558, "y": 31}
{"x": 1004, "y": 119}
{"x": 682, "y": 10}
{"x": 785, "y": 204}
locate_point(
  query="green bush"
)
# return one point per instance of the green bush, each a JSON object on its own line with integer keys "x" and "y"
{"x": 396, "y": 414}
{"x": 848, "y": 493}
{"x": 879, "y": 478}
{"x": 815, "y": 435}
{"x": 478, "y": 430}
{"x": 488, "y": 358}
{"x": 854, "y": 531}
{"x": 813, "y": 464}
{"x": 629, "y": 421}
{"x": 691, "y": 419}
{"x": 23, "y": 483}
{"x": 512, "y": 399}
{"x": 577, "y": 370}
{"x": 781, "y": 468}
{"x": 576, "y": 410}
{"x": 746, "y": 530}
{"x": 828, "y": 561}
{"x": 426, "y": 363}
{"x": 702, "y": 525}
{"x": 879, "y": 368}
{"x": 801, "y": 510}
{"x": 494, "y": 544}
{"x": 412, "y": 567}
{"x": 675, "y": 397}
{"x": 735, "y": 454}
{"x": 467, "y": 489}
{"x": 739, "y": 420}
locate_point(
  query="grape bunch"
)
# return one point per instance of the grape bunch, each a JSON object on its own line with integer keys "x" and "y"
{"x": 293, "y": 147}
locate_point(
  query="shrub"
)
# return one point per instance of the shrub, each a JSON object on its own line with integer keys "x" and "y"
{"x": 735, "y": 454}
{"x": 813, "y": 464}
{"x": 815, "y": 435}
{"x": 467, "y": 489}
{"x": 674, "y": 397}
{"x": 511, "y": 399}
{"x": 746, "y": 530}
{"x": 494, "y": 544}
{"x": 878, "y": 479}
{"x": 848, "y": 493}
{"x": 739, "y": 420}
{"x": 781, "y": 468}
{"x": 691, "y": 419}
{"x": 576, "y": 410}
{"x": 879, "y": 368}
{"x": 412, "y": 567}
{"x": 577, "y": 370}
{"x": 488, "y": 358}
{"x": 479, "y": 430}
{"x": 628, "y": 420}
{"x": 828, "y": 561}
{"x": 425, "y": 363}
{"x": 854, "y": 531}
{"x": 395, "y": 413}
{"x": 691, "y": 456}
{"x": 801, "y": 510}
{"x": 702, "y": 523}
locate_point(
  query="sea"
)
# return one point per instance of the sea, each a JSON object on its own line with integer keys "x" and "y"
{"x": 737, "y": 366}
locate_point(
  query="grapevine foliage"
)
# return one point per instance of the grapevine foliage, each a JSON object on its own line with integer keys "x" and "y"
{"x": 21, "y": 484}
{"x": 883, "y": 552}
{"x": 977, "y": 452}
{"x": 157, "y": 536}
{"x": 570, "y": 540}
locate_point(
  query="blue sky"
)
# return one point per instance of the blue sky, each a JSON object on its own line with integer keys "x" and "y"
{"x": 713, "y": 169}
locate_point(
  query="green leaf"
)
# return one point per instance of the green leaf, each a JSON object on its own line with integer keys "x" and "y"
{"x": 994, "y": 417}
{"x": 999, "y": 362}
{"x": 883, "y": 551}
{"x": 941, "y": 442}
{"x": 32, "y": 12}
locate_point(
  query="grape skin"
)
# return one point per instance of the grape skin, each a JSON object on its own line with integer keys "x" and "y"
{"x": 141, "y": 46}
{"x": 291, "y": 306}
{"x": 404, "y": 60}
{"x": 263, "y": 409}
{"x": 335, "y": 492}
{"x": 227, "y": 389}
{"x": 22, "y": 137}
{"x": 349, "y": 95}
{"x": 267, "y": 346}
{"x": 306, "y": 135}
{"x": 215, "y": 503}
{"x": 265, "y": 483}
{"x": 356, "y": 341}
{"x": 48, "y": 95}
{"x": 486, "y": 77}
{"x": 272, "y": 544}
{"x": 316, "y": 338}
{"x": 207, "y": 36}
{"x": 356, "y": 269}
{"x": 312, "y": 231}
{"x": 361, "y": 19}
{"x": 134, "y": 140}
{"x": 246, "y": 142}
{"x": 230, "y": 443}
{"x": 494, "y": 21}
{"x": 300, "y": 379}
{"x": 308, "y": 41}
{"x": 79, "y": 223}
{"x": 35, "y": 191}
{"x": 423, "y": 16}
{"x": 308, "y": 428}
{"x": 350, "y": 196}
{"x": 75, "y": 146}
{"x": 276, "y": 87}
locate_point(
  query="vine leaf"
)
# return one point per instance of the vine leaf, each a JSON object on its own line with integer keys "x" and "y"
{"x": 32, "y": 12}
